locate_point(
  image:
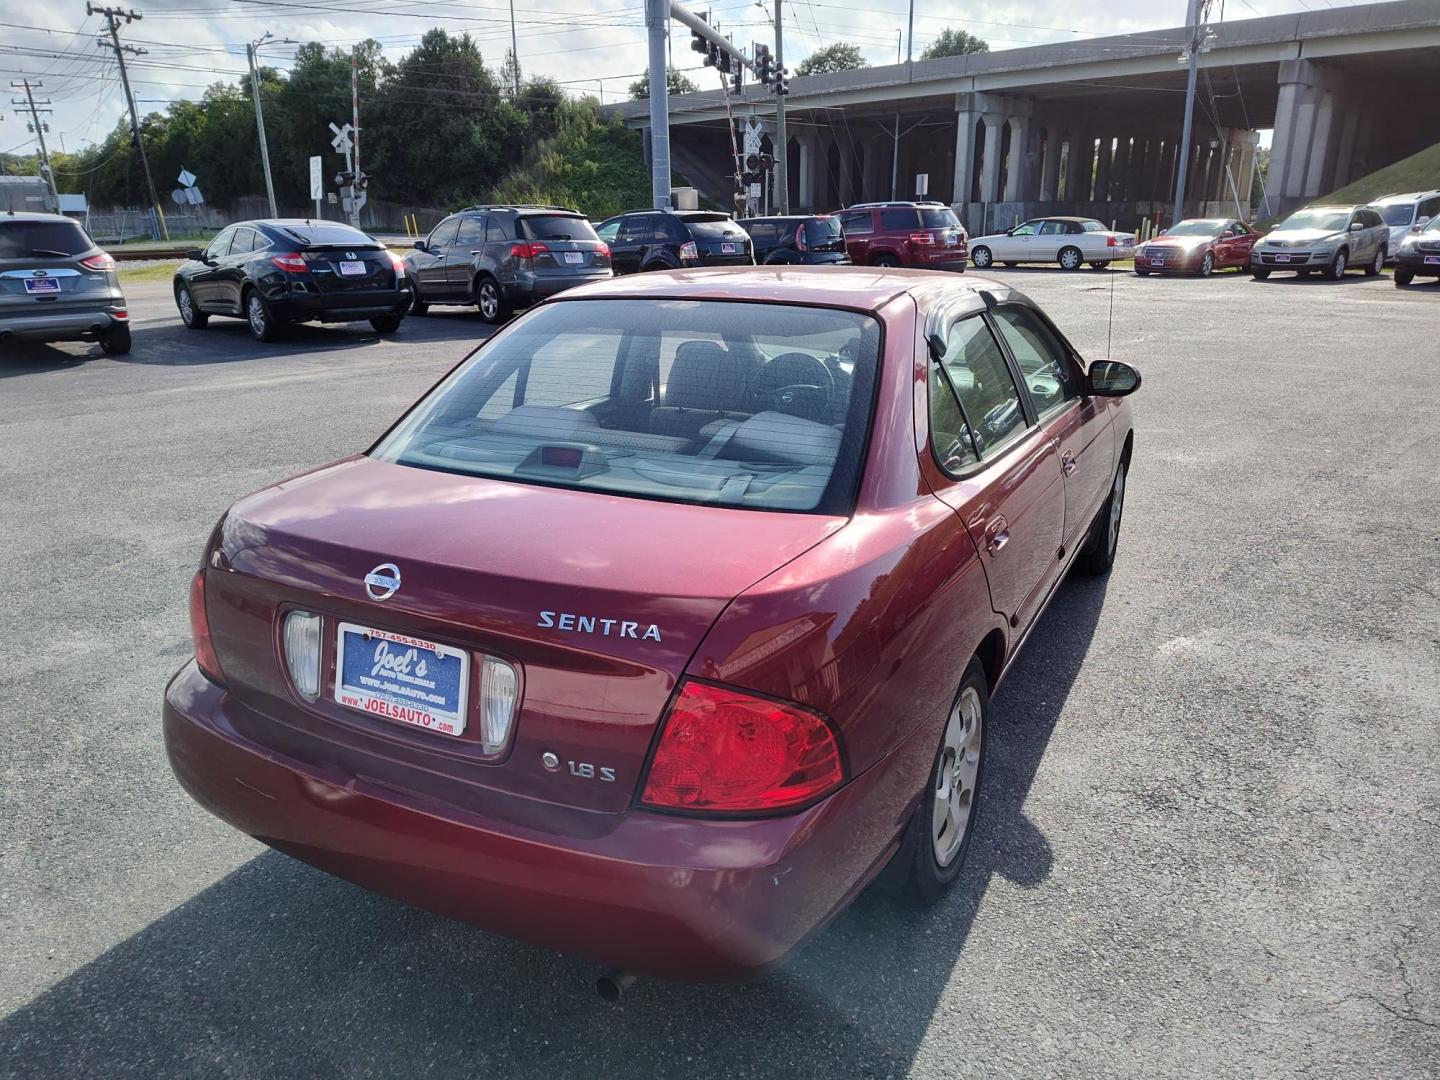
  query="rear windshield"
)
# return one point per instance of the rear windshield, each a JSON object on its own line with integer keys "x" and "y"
{"x": 939, "y": 218}
{"x": 762, "y": 406}
{"x": 556, "y": 227}
{"x": 822, "y": 230}
{"x": 712, "y": 226}
{"x": 38, "y": 239}
{"x": 329, "y": 235}
{"x": 1092, "y": 226}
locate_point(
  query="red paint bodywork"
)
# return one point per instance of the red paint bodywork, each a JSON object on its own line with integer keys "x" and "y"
{"x": 870, "y": 619}
{"x": 1183, "y": 253}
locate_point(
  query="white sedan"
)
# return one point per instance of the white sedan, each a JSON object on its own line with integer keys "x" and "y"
{"x": 1068, "y": 241}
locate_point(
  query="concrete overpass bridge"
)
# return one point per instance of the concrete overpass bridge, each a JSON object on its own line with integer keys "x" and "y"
{"x": 1093, "y": 126}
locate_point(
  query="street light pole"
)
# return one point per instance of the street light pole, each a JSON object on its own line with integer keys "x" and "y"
{"x": 1192, "y": 21}
{"x": 252, "y": 50}
{"x": 909, "y": 59}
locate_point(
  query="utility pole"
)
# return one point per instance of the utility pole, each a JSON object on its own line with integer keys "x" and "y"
{"x": 355, "y": 123}
{"x": 782, "y": 141}
{"x": 515, "y": 49}
{"x": 113, "y": 17}
{"x": 657, "y": 23}
{"x": 1193, "y": 23}
{"x": 251, "y": 51}
{"x": 39, "y": 129}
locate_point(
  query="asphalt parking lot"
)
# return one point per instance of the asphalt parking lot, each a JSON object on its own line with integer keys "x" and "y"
{"x": 1210, "y": 845}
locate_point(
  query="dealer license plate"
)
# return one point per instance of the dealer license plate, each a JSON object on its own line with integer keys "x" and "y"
{"x": 1282, "y": 258}
{"x": 353, "y": 269}
{"x": 402, "y": 678}
{"x": 1157, "y": 260}
{"x": 42, "y": 286}
{"x": 574, "y": 258}
{"x": 727, "y": 249}
{"x": 1432, "y": 260}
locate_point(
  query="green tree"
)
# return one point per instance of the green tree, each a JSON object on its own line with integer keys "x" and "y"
{"x": 953, "y": 42}
{"x": 675, "y": 83}
{"x": 842, "y": 56}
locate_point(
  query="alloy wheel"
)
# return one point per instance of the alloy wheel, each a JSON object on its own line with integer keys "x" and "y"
{"x": 187, "y": 307}
{"x": 1207, "y": 264}
{"x": 956, "y": 777}
{"x": 255, "y": 312}
{"x": 489, "y": 300}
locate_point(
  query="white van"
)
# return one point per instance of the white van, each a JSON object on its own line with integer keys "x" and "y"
{"x": 1404, "y": 212}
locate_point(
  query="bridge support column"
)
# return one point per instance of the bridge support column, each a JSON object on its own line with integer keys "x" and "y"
{"x": 809, "y": 153}
{"x": 990, "y": 162}
{"x": 1247, "y": 143}
{"x": 969, "y": 108}
{"x": 1079, "y": 175}
{"x": 877, "y": 169}
{"x": 1018, "y": 163}
{"x": 845, "y": 181}
{"x": 1305, "y": 149}
{"x": 1050, "y": 173}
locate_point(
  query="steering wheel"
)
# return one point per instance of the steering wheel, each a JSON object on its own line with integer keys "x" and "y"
{"x": 798, "y": 384}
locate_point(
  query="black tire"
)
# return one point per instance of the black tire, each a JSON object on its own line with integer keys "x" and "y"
{"x": 1099, "y": 264}
{"x": 1012, "y": 265}
{"x": 259, "y": 319}
{"x": 196, "y": 319}
{"x": 1338, "y": 265}
{"x": 1070, "y": 258}
{"x": 981, "y": 258}
{"x": 1373, "y": 270}
{"x": 1403, "y": 278}
{"x": 1304, "y": 273}
{"x": 116, "y": 340}
{"x": 418, "y": 306}
{"x": 655, "y": 266}
{"x": 386, "y": 324}
{"x": 1259, "y": 273}
{"x": 885, "y": 261}
{"x": 1207, "y": 265}
{"x": 916, "y": 875}
{"x": 1098, "y": 555}
{"x": 1141, "y": 271}
{"x": 490, "y": 299}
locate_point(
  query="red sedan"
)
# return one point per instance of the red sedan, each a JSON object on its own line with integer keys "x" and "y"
{"x": 669, "y": 619}
{"x": 1198, "y": 246}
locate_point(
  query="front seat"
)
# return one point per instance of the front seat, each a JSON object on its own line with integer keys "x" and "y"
{"x": 707, "y": 383}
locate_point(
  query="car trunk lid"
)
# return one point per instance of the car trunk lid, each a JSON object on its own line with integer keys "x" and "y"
{"x": 599, "y": 601}
{"x": 344, "y": 269}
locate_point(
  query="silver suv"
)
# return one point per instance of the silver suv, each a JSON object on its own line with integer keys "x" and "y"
{"x": 1328, "y": 239}
{"x": 56, "y": 285}
{"x": 500, "y": 258}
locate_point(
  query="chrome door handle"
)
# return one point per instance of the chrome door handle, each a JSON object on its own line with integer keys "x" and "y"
{"x": 998, "y": 536}
{"x": 1067, "y": 463}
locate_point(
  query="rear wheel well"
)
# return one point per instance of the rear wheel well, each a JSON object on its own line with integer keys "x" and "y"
{"x": 992, "y": 657}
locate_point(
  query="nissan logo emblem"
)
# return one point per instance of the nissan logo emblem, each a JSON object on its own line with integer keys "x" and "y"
{"x": 381, "y": 583}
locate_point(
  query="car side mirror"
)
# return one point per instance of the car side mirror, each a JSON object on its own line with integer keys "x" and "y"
{"x": 1162, "y": 232}
{"x": 420, "y": 246}
{"x": 1357, "y": 226}
{"x": 1111, "y": 378}
{"x": 195, "y": 255}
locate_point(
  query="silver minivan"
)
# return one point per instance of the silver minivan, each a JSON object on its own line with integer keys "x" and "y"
{"x": 56, "y": 285}
{"x": 1324, "y": 239}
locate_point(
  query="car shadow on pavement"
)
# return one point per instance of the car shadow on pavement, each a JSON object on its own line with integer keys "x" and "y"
{"x": 279, "y": 970}
{"x": 30, "y": 358}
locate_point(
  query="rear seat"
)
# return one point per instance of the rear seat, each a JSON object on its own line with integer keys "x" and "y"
{"x": 707, "y": 383}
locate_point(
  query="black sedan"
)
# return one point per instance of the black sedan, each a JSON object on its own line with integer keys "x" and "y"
{"x": 272, "y": 273}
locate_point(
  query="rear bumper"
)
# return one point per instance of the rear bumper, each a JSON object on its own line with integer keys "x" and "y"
{"x": 527, "y": 289}
{"x": 957, "y": 264}
{"x": 341, "y": 306}
{"x": 61, "y": 325}
{"x": 653, "y": 894}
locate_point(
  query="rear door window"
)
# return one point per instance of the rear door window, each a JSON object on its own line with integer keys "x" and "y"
{"x": 980, "y": 374}
{"x": 636, "y": 230}
{"x": 39, "y": 239}
{"x": 243, "y": 243}
{"x": 471, "y": 233}
{"x": 763, "y": 233}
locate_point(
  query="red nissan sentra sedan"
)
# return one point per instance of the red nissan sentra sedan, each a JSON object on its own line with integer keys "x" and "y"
{"x": 1197, "y": 246}
{"x": 669, "y": 619}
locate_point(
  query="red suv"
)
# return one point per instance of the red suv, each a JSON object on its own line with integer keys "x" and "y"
{"x": 925, "y": 235}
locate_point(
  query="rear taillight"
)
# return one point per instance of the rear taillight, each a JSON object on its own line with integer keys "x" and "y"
{"x": 98, "y": 262}
{"x": 528, "y": 249}
{"x": 200, "y": 631}
{"x": 397, "y": 264}
{"x": 301, "y": 635}
{"x": 499, "y": 690}
{"x": 800, "y": 237}
{"x": 688, "y": 250}
{"x": 1112, "y": 241}
{"x": 291, "y": 262}
{"x": 602, "y": 250}
{"x": 726, "y": 751}
{"x": 923, "y": 238}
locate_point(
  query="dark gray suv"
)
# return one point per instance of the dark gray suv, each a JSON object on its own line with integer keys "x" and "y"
{"x": 500, "y": 258}
{"x": 56, "y": 285}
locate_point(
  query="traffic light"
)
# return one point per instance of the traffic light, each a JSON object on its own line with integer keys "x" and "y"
{"x": 344, "y": 179}
{"x": 722, "y": 60}
{"x": 764, "y": 65}
{"x": 737, "y": 79}
{"x": 698, "y": 42}
{"x": 782, "y": 82}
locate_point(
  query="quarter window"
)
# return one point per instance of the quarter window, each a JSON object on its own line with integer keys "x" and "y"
{"x": 1042, "y": 359}
{"x": 899, "y": 218}
{"x": 988, "y": 395}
